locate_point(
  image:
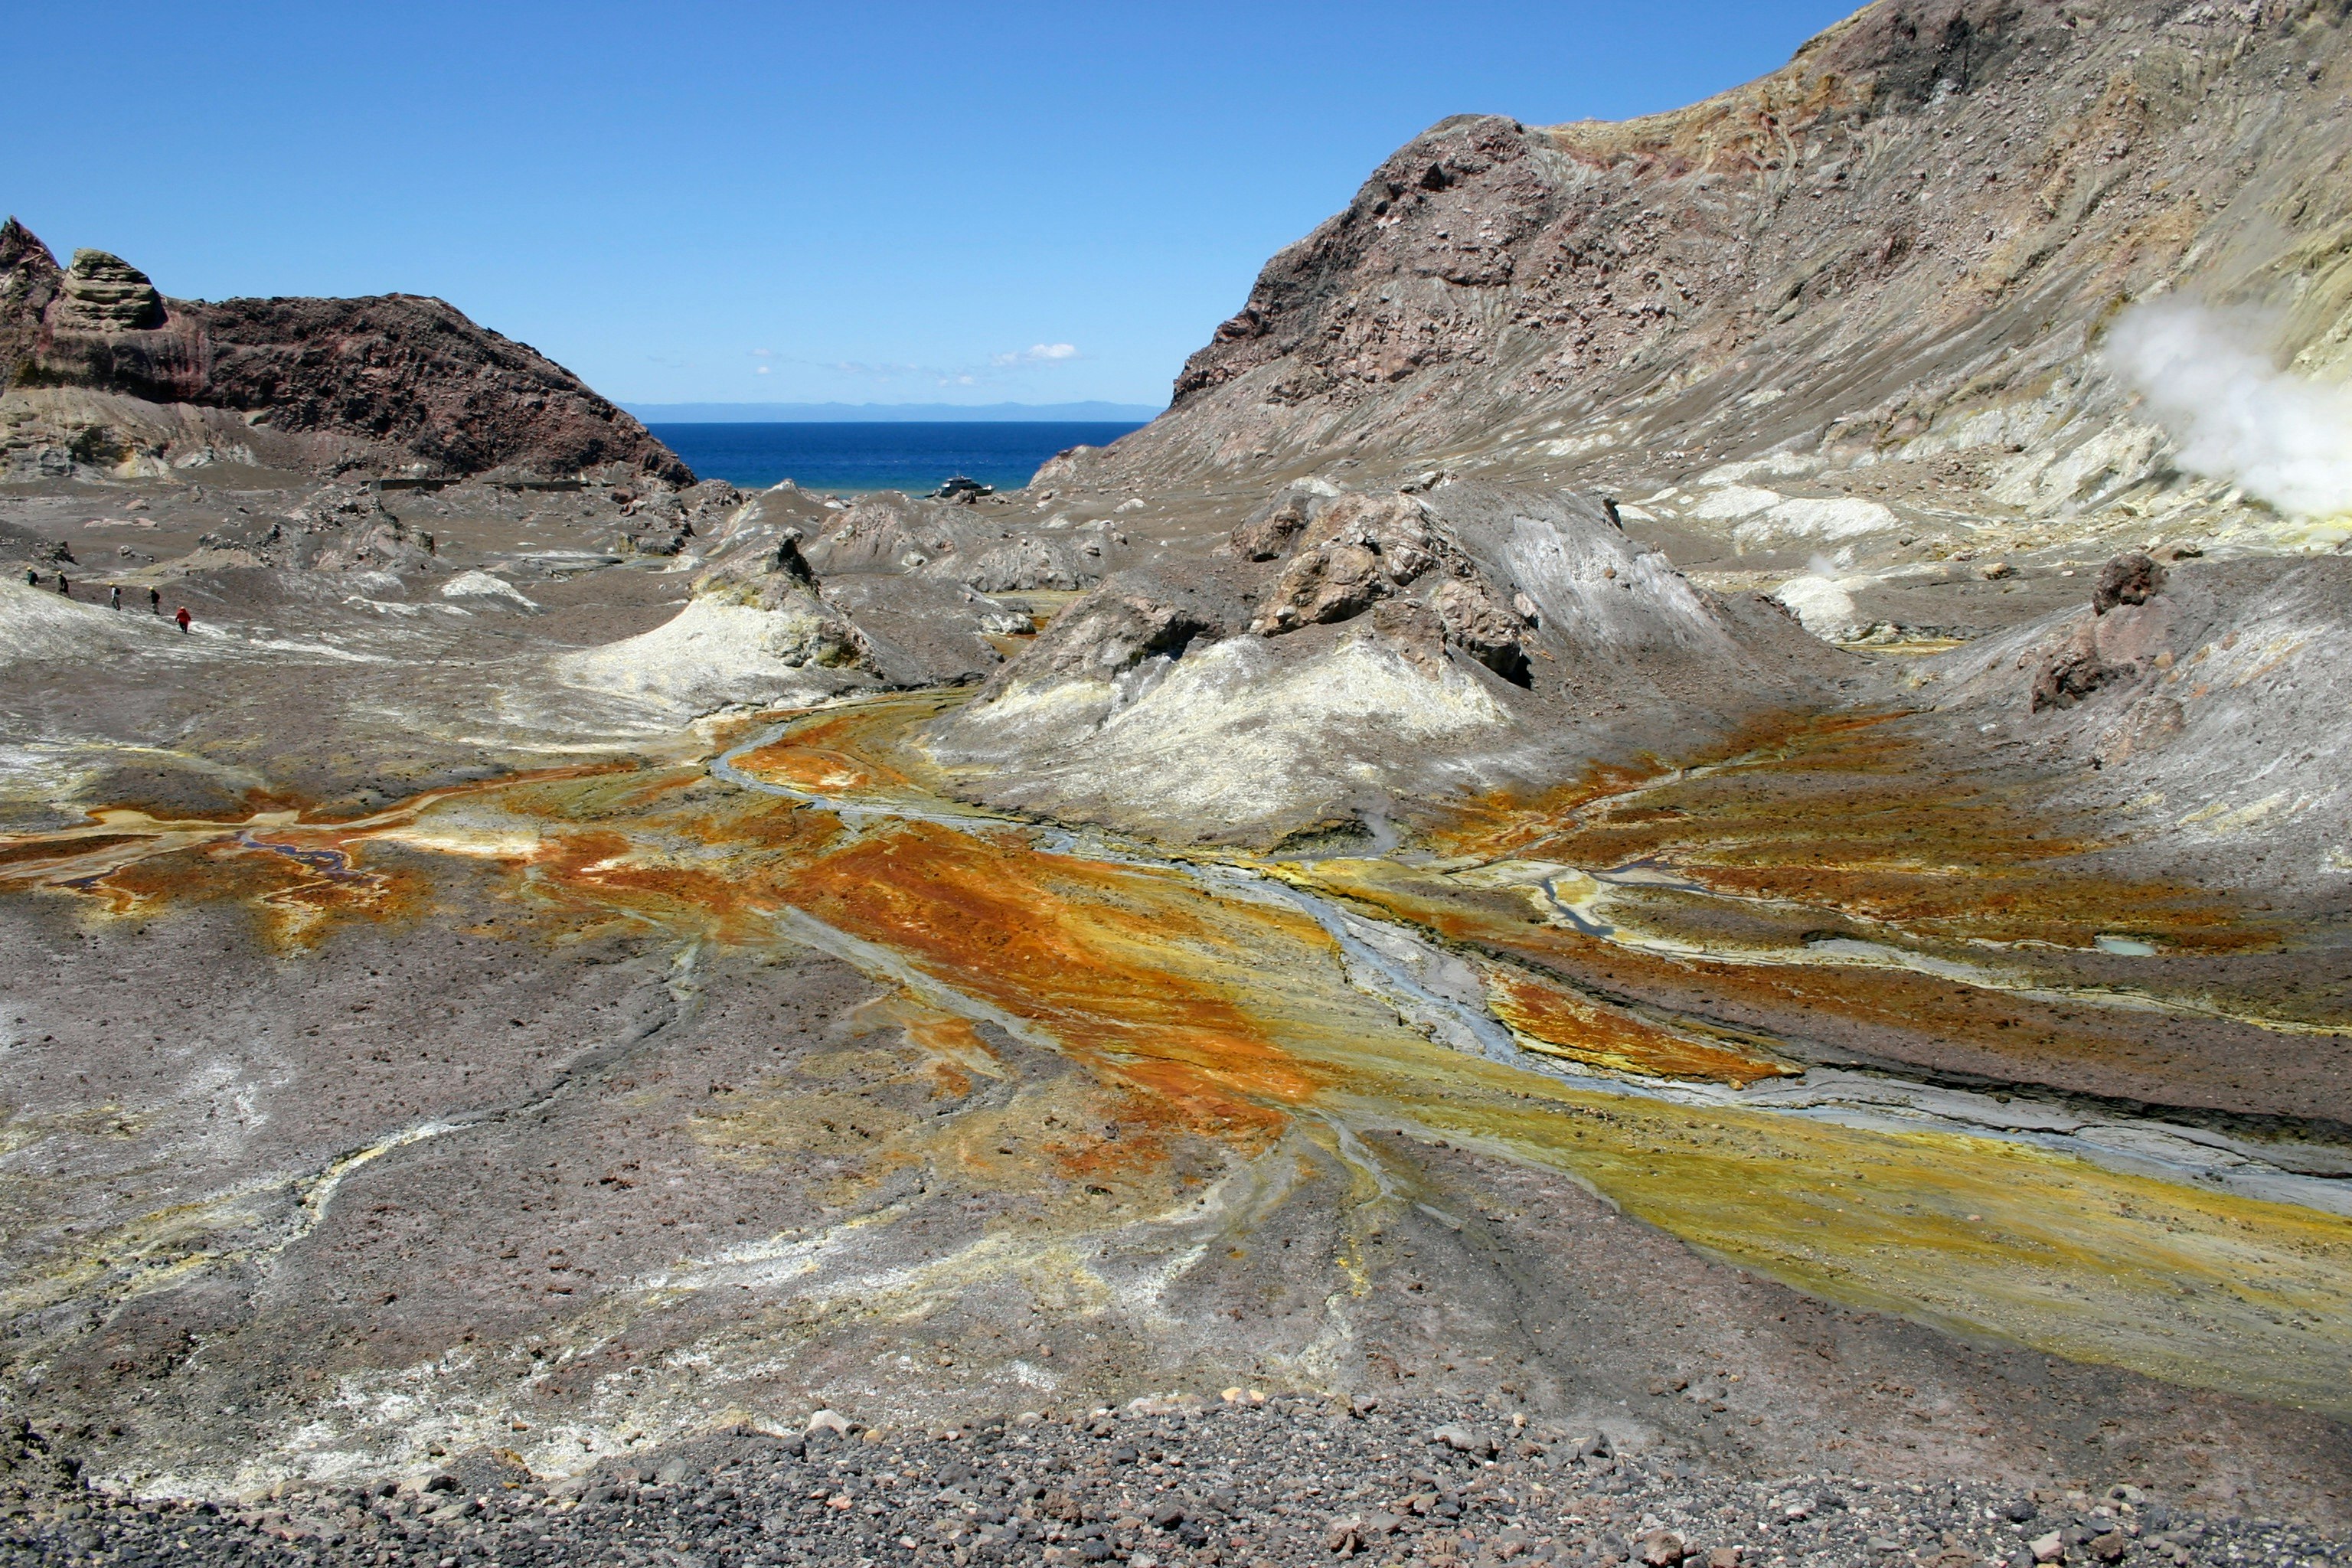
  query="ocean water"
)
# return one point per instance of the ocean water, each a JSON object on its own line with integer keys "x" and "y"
{"x": 878, "y": 456}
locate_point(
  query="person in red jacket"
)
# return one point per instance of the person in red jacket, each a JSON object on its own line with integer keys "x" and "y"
{"x": 183, "y": 618}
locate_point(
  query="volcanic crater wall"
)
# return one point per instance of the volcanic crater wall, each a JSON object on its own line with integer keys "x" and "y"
{"x": 1926, "y": 218}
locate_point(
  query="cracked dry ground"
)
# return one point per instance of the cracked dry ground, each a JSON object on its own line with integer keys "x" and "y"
{"x": 547, "y": 1149}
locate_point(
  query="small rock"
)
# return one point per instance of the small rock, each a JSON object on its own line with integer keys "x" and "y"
{"x": 2111, "y": 1546}
{"x": 830, "y": 1420}
{"x": 1722, "y": 1557}
{"x": 1462, "y": 1441}
{"x": 1660, "y": 1549}
{"x": 2050, "y": 1547}
{"x": 2131, "y": 578}
{"x": 1994, "y": 571}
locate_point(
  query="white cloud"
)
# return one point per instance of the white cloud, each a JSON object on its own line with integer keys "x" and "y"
{"x": 1036, "y": 353}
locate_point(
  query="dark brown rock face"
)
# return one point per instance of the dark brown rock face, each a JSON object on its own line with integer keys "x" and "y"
{"x": 395, "y": 381}
{"x": 28, "y": 282}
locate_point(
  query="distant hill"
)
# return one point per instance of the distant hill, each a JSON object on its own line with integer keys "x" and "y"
{"x": 104, "y": 374}
{"x": 879, "y": 413}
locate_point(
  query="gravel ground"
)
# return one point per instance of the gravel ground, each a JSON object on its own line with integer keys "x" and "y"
{"x": 1158, "y": 1484}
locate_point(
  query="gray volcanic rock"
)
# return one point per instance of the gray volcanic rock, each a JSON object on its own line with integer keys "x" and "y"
{"x": 2209, "y": 721}
{"x": 973, "y": 541}
{"x": 105, "y": 373}
{"x": 1410, "y": 649}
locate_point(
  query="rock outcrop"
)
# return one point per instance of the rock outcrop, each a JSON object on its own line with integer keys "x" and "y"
{"x": 103, "y": 293}
{"x": 1387, "y": 655}
{"x": 99, "y": 367}
{"x": 754, "y": 632}
{"x": 957, "y": 539}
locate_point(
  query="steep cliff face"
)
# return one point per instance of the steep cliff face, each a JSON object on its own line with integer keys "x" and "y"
{"x": 1885, "y": 268}
{"x": 99, "y": 364}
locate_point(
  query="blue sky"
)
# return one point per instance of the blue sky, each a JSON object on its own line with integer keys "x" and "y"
{"x": 872, "y": 201}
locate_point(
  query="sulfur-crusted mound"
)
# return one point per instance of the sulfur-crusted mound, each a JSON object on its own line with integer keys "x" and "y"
{"x": 754, "y": 632}
{"x": 1355, "y": 656}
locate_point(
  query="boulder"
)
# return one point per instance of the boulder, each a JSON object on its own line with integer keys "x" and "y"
{"x": 1267, "y": 532}
{"x": 1330, "y": 583}
{"x": 2131, "y": 578}
{"x": 103, "y": 293}
{"x": 1363, "y": 548}
{"x": 2074, "y": 672}
{"x": 1480, "y": 626}
{"x": 1463, "y": 1440}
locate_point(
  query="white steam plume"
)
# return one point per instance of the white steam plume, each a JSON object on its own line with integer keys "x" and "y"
{"x": 2232, "y": 412}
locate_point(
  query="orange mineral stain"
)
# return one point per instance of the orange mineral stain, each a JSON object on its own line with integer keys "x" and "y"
{"x": 1555, "y": 1021}
{"x": 1096, "y": 954}
{"x": 1855, "y": 815}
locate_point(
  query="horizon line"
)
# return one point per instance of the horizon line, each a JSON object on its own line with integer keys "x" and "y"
{"x": 1083, "y": 411}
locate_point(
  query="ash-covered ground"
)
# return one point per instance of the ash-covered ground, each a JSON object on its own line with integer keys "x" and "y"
{"x": 444, "y": 1054}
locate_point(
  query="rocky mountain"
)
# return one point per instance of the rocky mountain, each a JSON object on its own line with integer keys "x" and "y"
{"x": 101, "y": 372}
{"x": 1857, "y": 305}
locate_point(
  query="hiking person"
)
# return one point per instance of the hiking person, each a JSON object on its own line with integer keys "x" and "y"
{"x": 63, "y": 586}
{"x": 154, "y": 601}
{"x": 31, "y": 578}
{"x": 114, "y": 597}
{"x": 183, "y": 618}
